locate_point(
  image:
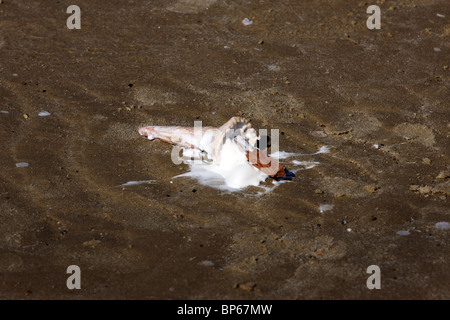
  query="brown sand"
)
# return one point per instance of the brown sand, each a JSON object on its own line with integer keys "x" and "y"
{"x": 379, "y": 98}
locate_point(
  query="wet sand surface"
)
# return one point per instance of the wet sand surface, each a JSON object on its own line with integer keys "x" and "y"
{"x": 312, "y": 69}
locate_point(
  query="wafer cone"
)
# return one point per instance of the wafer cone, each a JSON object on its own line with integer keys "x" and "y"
{"x": 266, "y": 163}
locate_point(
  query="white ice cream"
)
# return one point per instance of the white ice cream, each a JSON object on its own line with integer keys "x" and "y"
{"x": 233, "y": 171}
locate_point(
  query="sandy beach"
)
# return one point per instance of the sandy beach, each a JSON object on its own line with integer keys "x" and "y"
{"x": 80, "y": 186}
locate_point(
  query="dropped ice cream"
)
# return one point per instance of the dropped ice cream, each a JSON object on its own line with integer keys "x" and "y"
{"x": 225, "y": 157}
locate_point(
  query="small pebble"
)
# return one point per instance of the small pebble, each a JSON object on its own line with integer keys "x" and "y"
{"x": 91, "y": 243}
{"x": 443, "y": 175}
{"x": 440, "y": 15}
{"x": 249, "y": 286}
{"x": 371, "y": 188}
{"x": 43, "y": 114}
{"x": 403, "y": 233}
{"x": 443, "y": 225}
{"x": 207, "y": 263}
{"x": 274, "y": 67}
{"x": 247, "y": 22}
{"x": 22, "y": 164}
{"x": 437, "y": 49}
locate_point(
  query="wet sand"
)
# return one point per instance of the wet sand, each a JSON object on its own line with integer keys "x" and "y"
{"x": 312, "y": 69}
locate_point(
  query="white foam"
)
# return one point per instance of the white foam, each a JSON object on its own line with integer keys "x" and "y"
{"x": 323, "y": 149}
{"x": 133, "y": 183}
{"x": 307, "y": 164}
{"x": 235, "y": 173}
{"x": 269, "y": 188}
{"x": 285, "y": 155}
